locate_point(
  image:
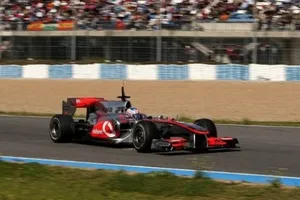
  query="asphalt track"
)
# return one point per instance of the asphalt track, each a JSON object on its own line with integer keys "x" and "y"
{"x": 265, "y": 150}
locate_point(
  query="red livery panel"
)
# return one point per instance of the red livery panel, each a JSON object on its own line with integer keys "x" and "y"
{"x": 83, "y": 102}
{"x": 104, "y": 130}
{"x": 179, "y": 143}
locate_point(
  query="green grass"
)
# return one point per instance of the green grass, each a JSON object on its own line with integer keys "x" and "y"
{"x": 40, "y": 182}
{"x": 186, "y": 119}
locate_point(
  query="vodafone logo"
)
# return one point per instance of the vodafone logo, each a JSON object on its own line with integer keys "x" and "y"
{"x": 108, "y": 129}
{"x": 96, "y": 131}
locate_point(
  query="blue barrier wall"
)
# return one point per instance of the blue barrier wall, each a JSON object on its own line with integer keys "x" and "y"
{"x": 232, "y": 72}
{"x": 113, "y": 71}
{"x": 293, "y": 73}
{"x": 104, "y": 71}
{"x": 11, "y": 71}
{"x": 173, "y": 72}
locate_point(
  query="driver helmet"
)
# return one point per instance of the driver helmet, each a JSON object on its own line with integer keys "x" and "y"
{"x": 134, "y": 112}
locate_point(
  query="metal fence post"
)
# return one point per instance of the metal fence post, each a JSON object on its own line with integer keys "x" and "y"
{"x": 254, "y": 52}
{"x": 1, "y": 32}
{"x": 158, "y": 46}
{"x": 158, "y": 38}
{"x": 254, "y": 38}
{"x": 73, "y": 40}
{"x": 73, "y": 44}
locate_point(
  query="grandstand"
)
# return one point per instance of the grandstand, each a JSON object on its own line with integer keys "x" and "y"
{"x": 221, "y": 31}
{"x": 143, "y": 14}
{"x": 123, "y": 14}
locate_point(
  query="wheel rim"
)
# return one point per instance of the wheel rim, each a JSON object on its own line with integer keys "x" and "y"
{"x": 139, "y": 137}
{"x": 55, "y": 130}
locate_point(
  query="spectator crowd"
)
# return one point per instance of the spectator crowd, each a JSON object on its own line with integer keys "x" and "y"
{"x": 144, "y": 14}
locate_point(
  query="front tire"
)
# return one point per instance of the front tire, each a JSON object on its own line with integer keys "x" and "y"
{"x": 62, "y": 128}
{"x": 209, "y": 125}
{"x": 143, "y": 134}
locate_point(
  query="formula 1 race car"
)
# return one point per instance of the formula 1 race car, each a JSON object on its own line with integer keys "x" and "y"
{"x": 108, "y": 121}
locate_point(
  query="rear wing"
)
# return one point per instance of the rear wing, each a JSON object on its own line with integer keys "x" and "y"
{"x": 69, "y": 107}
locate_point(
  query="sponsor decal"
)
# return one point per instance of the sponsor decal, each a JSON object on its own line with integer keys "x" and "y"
{"x": 108, "y": 129}
{"x": 96, "y": 131}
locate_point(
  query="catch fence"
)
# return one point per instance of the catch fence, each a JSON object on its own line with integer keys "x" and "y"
{"x": 213, "y": 45}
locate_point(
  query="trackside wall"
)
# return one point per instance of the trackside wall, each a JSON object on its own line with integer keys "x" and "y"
{"x": 191, "y": 72}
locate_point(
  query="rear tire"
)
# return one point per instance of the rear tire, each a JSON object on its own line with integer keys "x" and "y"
{"x": 209, "y": 125}
{"x": 143, "y": 134}
{"x": 62, "y": 128}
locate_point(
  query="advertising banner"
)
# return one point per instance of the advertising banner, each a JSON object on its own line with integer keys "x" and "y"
{"x": 60, "y": 26}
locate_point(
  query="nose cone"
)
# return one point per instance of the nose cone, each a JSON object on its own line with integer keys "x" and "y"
{"x": 197, "y": 127}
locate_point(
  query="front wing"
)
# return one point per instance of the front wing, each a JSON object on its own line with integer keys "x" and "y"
{"x": 179, "y": 143}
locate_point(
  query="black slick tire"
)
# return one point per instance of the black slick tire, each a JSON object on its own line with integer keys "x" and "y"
{"x": 61, "y": 128}
{"x": 143, "y": 134}
{"x": 209, "y": 125}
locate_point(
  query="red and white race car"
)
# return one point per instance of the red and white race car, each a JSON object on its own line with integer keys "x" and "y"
{"x": 118, "y": 122}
